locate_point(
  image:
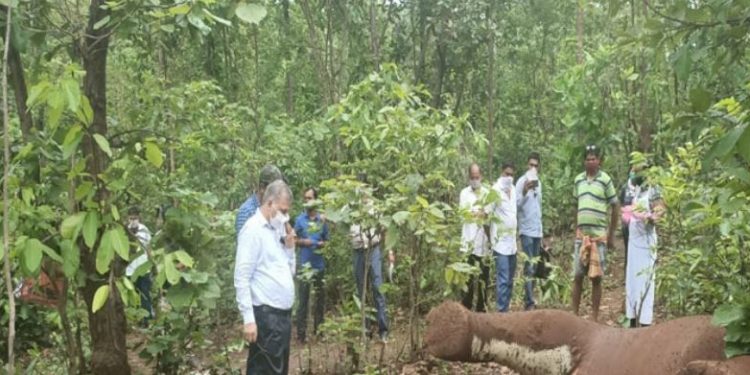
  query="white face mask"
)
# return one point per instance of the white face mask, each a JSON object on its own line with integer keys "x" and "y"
{"x": 280, "y": 219}
{"x": 506, "y": 182}
{"x": 475, "y": 184}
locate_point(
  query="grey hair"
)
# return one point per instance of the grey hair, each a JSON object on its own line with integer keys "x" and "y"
{"x": 277, "y": 190}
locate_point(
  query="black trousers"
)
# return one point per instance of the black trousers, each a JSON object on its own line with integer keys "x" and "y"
{"x": 269, "y": 354}
{"x": 304, "y": 301}
{"x": 479, "y": 283}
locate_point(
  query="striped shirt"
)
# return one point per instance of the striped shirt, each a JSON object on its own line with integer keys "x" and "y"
{"x": 246, "y": 211}
{"x": 594, "y": 196}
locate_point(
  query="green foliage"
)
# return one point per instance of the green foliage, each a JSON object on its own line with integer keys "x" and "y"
{"x": 735, "y": 318}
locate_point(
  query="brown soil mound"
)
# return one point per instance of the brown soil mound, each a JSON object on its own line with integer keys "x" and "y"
{"x": 557, "y": 342}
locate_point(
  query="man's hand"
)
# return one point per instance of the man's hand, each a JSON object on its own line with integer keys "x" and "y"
{"x": 290, "y": 239}
{"x": 250, "y": 332}
{"x": 528, "y": 186}
{"x": 321, "y": 244}
{"x": 391, "y": 257}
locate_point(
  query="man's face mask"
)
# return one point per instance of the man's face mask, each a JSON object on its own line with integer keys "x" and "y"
{"x": 475, "y": 183}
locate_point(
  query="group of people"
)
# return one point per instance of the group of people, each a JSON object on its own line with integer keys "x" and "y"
{"x": 517, "y": 209}
{"x": 495, "y": 220}
{"x": 266, "y": 266}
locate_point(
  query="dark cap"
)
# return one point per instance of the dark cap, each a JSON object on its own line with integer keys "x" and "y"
{"x": 269, "y": 174}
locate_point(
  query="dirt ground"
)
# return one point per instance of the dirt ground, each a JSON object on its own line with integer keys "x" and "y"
{"x": 321, "y": 357}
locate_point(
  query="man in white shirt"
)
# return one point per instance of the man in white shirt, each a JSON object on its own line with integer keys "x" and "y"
{"x": 143, "y": 281}
{"x": 263, "y": 279}
{"x": 503, "y": 234}
{"x": 474, "y": 239}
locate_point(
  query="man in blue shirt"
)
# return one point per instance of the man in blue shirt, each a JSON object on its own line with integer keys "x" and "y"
{"x": 264, "y": 283}
{"x": 529, "y": 197}
{"x": 268, "y": 174}
{"x": 312, "y": 232}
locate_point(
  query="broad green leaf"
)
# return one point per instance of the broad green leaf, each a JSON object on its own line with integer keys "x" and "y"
{"x": 217, "y": 18}
{"x": 726, "y": 144}
{"x": 71, "y": 226}
{"x": 727, "y": 314}
{"x": 183, "y": 8}
{"x": 700, "y": 99}
{"x": 104, "y": 254}
{"x": 72, "y": 139}
{"x": 100, "y": 298}
{"x": 103, "y": 144}
{"x": 400, "y": 217}
{"x": 743, "y": 145}
{"x": 115, "y": 213}
{"x": 45, "y": 249}
{"x": 91, "y": 228}
{"x": 32, "y": 256}
{"x": 85, "y": 113}
{"x": 101, "y": 23}
{"x": 120, "y": 242}
{"x": 184, "y": 258}
{"x": 72, "y": 94}
{"x": 38, "y": 93}
{"x": 71, "y": 257}
{"x": 173, "y": 275}
{"x": 153, "y": 154}
{"x": 251, "y": 13}
{"x": 180, "y": 296}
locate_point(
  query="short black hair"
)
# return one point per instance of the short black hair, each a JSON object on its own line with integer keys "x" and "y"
{"x": 134, "y": 211}
{"x": 508, "y": 164}
{"x": 314, "y": 190}
{"x": 534, "y": 155}
{"x": 592, "y": 149}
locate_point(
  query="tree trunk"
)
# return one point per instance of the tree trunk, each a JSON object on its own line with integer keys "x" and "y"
{"x": 315, "y": 48}
{"x": 107, "y": 325}
{"x": 6, "y": 223}
{"x": 18, "y": 82}
{"x": 374, "y": 39}
{"x": 579, "y": 31}
{"x": 287, "y": 51}
{"x": 490, "y": 88}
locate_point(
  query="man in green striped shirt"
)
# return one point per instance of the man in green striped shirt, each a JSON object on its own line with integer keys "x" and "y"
{"x": 596, "y": 195}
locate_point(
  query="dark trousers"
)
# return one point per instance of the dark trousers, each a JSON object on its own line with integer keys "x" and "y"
{"x": 143, "y": 286}
{"x": 269, "y": 354}
{"x": 479, "y": 284}
{"x": 375, "y": 274}
{"x": 304, "y": 300}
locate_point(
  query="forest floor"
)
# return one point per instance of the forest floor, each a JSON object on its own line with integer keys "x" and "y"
{"x": 319, "y": 356}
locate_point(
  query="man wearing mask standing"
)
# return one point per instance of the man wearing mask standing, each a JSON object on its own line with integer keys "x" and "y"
{"x": 268, "y": 174}
{"x": 529, "y": 195}
{"x": 143, "y": 282}
{"x": 595, "y": 194}
{"x": 263, "y": 279}
{"x": 474, "y": 239}
{"x": 503, "y": 234}
{"x": 313, "y": 236}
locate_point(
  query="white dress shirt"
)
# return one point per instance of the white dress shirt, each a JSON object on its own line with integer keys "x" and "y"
{"x": 263, "y": 272}
{"x": 503, "y": 230}
{"x": 473, "y": 235}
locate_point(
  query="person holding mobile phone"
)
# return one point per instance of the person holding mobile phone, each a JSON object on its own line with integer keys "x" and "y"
{"x": 529, "y": 200}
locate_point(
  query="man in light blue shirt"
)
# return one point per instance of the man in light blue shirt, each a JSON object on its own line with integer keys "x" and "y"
{"x": 529, "y": 198}
{"x": 263, "y": 279}
{"x": 268, "y": 174}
